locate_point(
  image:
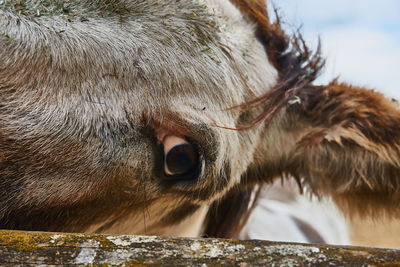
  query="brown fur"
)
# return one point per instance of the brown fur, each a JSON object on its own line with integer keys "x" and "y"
{"x": 344, "y": 145}
{"x": 353, "y": 143}
{"x": 347, "y": 148}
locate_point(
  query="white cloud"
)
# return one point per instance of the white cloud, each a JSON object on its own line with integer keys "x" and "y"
{"x": 361, "y": 11}
{"x": 362, "y": 57}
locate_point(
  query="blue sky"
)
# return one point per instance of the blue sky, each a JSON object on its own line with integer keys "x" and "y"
{"x": 360, "y": 38}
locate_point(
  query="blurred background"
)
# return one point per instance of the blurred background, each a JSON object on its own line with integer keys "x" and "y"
{"x": 361, "y": 43}
{"x": 360, "y": 38}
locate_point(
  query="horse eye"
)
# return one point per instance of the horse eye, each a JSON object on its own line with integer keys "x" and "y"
{"x": 181, "y": 161}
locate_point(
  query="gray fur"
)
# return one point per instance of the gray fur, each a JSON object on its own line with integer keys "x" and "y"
{"x": 78, "y": 89}
{"x": 85, "y": 86}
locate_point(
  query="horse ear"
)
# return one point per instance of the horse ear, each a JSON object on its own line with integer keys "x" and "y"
{"x": 340, "y": 141}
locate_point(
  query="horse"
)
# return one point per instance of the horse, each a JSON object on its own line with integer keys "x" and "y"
{"x": 170, "y": 117}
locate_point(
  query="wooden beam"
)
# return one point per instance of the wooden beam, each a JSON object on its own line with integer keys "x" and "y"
{"x": 39, "y": 248}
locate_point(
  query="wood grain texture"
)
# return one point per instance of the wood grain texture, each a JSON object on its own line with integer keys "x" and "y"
{"x": 39, "y": 248}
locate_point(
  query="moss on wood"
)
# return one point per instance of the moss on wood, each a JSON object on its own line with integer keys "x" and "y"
{"x": 35, "y": 248}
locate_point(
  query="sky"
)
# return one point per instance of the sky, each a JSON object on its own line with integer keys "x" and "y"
{"x": 360, "y": 39}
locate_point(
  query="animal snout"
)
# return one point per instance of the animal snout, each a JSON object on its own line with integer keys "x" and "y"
{"x": 181, "y": 158}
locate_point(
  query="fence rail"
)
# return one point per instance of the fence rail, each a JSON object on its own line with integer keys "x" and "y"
{"x": 39, "y": 248}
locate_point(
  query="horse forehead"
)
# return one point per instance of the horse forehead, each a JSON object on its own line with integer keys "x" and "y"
{"x": 190, "y": 22}
{"x": 151, "y": 49}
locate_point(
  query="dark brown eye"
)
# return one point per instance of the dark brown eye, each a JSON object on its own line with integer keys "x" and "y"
{"x": 181, "y": 159}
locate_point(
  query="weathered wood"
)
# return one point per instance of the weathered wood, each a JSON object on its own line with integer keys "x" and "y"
{"x": 37, "y": 248}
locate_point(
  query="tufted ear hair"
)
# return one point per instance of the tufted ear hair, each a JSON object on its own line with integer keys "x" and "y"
{"x": 340, "y": 141}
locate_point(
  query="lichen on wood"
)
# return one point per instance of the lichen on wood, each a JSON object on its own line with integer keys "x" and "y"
{"x": 39, "y": 248}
